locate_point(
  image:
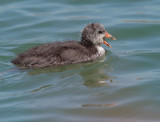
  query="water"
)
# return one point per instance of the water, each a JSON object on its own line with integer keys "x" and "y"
{"x": 122, "y": 87}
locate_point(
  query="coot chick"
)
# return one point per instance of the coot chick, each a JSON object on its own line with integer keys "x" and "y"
{"x": 69, "y": 52}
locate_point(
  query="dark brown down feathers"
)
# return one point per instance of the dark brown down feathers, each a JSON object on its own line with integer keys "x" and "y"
{"x": 53, "y": 54}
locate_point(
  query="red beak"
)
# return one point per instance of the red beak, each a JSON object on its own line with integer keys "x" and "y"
{"x": 107, "y": 35}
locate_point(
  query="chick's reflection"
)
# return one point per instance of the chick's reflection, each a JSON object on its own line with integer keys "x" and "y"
{"x": 96, "y": 77}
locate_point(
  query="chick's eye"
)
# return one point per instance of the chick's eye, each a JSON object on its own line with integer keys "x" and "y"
{"x": 100, "y": 32}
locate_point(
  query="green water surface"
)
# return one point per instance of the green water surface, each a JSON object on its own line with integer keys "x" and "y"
{"x": 122, "y": 87}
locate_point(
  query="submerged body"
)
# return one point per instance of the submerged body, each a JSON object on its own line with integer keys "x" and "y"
{"x": 70, "y": 52}
{"x": 59, "y": 53}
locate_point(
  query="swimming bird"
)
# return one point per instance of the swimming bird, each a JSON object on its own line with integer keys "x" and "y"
{"x": 68, "y": 52}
